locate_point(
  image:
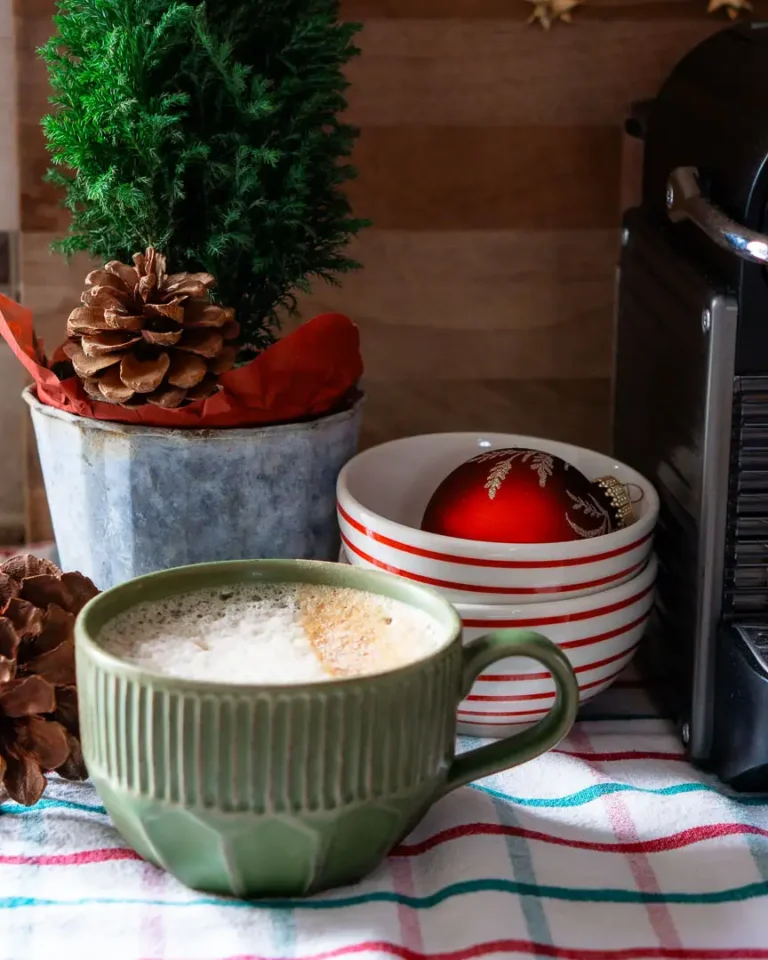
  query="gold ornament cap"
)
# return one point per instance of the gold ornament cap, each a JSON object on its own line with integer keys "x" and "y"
{"x": 618, "y": 496}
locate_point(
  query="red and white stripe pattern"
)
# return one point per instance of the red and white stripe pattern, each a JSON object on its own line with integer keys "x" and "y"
{"x": 469, "y": 580}
{"x": 599, "y": 639}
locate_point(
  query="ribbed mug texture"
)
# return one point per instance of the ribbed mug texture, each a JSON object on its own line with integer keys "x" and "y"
{"x": 317, "y": 750}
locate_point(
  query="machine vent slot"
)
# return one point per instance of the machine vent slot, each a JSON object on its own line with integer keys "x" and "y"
{"x": 746, "y": 566}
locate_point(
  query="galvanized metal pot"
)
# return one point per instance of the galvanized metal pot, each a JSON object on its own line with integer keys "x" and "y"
{"x": 128, "y": 500}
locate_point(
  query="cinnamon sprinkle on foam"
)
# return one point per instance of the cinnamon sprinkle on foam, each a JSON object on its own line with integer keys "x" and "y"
{"x": 272, "y": 634}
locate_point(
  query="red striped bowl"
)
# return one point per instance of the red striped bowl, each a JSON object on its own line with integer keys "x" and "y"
{"x": 598, "y": 633}
{"x": 382, "y": 494}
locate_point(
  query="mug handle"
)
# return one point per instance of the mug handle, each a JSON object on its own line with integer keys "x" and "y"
{"x": 550, "y": 730}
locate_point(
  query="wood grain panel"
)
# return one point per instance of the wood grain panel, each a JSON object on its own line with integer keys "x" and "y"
{"x": 572, "y": 341}
{"x": 27, "y": 9}
{"x": 478, "y": 72}
{"x": 439, "y": 178}
{"x": 502, "y": 73}
{"x": 577, "y": 346}
{"x": 470, "y": 9}
{"x": 475, "y": 280}
{"x": 32, "y": 78}
{"x": 519, "y": 10}
{"x": 50, "y": 285}
{"x": 41, "y": 208}
{"x": 575, "y": 411}
{"x": 40, "y": 202}
{"x": 484, "y": 305}
{"x": 488, "y": 178}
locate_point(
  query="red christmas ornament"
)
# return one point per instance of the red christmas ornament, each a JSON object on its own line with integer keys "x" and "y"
{"x": 525, "y": 496}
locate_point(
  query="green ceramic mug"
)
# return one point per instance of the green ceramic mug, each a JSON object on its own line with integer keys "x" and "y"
{"x": 257, "y": 791}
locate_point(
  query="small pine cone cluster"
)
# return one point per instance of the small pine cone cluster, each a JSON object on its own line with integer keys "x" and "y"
{"x": 39, "y": 727}
{"x": 143, "y": 336}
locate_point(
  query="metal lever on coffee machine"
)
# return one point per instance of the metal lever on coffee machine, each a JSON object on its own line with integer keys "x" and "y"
{"x": 685, "y": 202}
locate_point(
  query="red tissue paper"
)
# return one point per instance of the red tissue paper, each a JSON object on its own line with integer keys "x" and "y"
{"x": 307, "y": 373}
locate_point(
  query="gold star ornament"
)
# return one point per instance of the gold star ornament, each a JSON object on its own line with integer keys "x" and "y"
{"x": 732, "y": 7}
{"x": 546, "y": 12}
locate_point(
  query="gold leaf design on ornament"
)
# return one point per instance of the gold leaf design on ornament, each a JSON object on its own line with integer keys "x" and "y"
{"x": 497, "y": 476}
{"x": 542, "y": 463}
{"x": 493, "y": 455}
{"x": 590, "y": 508}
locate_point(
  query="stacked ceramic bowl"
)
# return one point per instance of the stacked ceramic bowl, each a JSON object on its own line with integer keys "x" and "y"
{"x": 593, "y": 597}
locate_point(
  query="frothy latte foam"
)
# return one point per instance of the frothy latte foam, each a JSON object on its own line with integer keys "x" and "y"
{"x": 272, "y": 634}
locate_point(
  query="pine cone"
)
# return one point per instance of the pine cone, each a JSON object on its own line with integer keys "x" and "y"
{"x": 39, "y": 729}
{"x": 142, "y": 336}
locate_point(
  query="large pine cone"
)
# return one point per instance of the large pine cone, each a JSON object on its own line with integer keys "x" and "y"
{"x": 142, "y": 336}
{"x": 39, "y": 728}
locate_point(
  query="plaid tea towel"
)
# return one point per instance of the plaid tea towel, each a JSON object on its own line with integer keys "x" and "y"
{"x": 610, "y": 848}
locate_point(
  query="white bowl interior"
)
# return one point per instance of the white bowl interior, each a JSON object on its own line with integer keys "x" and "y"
{"x": 396, "y": 480}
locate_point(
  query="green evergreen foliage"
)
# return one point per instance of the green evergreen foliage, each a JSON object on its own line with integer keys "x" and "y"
{"x": 211, "y": 131}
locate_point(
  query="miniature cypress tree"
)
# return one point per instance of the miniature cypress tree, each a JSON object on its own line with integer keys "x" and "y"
{"x": 210, "y": 131}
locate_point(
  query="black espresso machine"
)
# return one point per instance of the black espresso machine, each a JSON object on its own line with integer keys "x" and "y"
{"x": 690, "y": 407}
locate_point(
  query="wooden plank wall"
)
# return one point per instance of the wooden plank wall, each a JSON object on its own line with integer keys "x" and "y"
{"x": 490, "y": 163}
